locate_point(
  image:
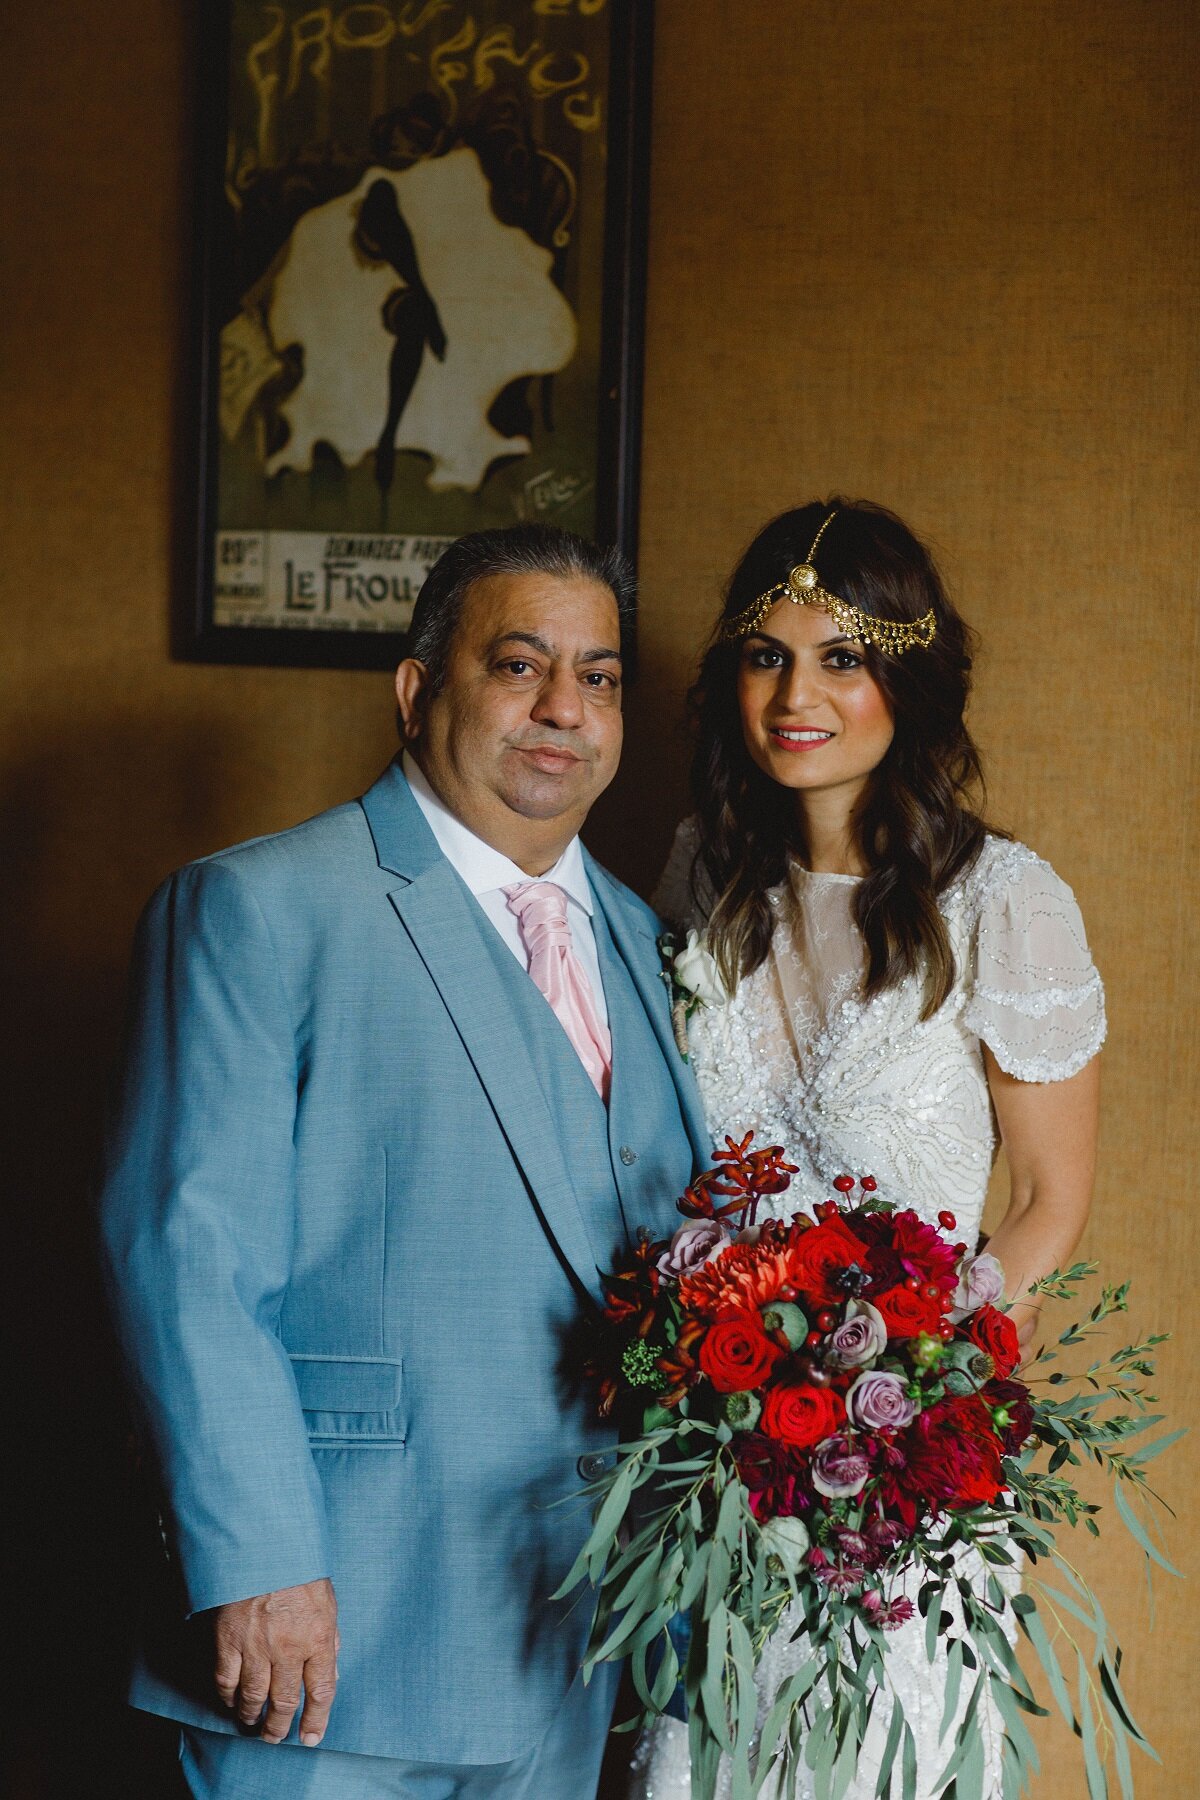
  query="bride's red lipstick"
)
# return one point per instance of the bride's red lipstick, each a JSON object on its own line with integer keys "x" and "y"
{"x": 795, "y": 744}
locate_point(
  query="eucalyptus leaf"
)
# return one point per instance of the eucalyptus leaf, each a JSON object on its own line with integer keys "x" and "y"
{"x": 908, "y": 1764}
{"x": 891, "y": 1743}
{"x": 1139, "y": 1531}
{"x": 1110, "y": 1682}
{"x": 1018, "y": 1732}
{"x": 954, "y": 1669}
{"x": 712, "y": 1683}
{"x": 741, "y": 1652}
{"x": 1096, "y": 1779}
{"x": 1031, "y": 1624}
{"x": 693, "y": 1579}
{"x": 788, "y": 1698}
{"x": 1120, "y": 1743}
{"x": 1150, "y": 1451}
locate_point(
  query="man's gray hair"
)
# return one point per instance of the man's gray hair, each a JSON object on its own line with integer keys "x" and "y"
{"x": 510, "y": 550}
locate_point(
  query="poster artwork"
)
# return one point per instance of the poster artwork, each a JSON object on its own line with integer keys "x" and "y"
{"x": 409, "y": 291}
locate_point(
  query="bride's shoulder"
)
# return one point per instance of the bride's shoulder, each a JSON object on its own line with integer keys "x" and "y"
{"x": 1009, "y": 876}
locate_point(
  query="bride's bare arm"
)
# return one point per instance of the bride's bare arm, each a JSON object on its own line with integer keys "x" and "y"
{"x": 1049, "y": 1134}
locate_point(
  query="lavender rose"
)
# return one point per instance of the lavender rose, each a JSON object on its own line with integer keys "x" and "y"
{"x": 859, "y": 1339}
{"x": 879, "y": 1402}
{"x": 692, "y": 1245}
{"x": 980, "y": 1283}
{"x": 838, "y": 1471}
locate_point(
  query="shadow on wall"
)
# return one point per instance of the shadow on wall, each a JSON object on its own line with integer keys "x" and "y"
{"x": 89, "y": 834}
{"x": 631, "y": 828}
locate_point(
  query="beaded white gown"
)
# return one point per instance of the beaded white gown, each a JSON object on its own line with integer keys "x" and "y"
{"x": 858, "y": 1087}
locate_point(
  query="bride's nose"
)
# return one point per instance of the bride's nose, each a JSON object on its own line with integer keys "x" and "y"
{"x": 799, "y": 685}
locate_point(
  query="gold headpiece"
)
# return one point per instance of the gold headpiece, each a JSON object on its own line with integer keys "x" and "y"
{"x": 803, "y": 588}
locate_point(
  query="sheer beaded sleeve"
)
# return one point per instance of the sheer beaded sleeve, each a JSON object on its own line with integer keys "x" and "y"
{"x": 673, "y": 898}
{"x": 1034, "y": 995}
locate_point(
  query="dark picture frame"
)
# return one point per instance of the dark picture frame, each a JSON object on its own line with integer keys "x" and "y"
{"x": 403, "y": 207}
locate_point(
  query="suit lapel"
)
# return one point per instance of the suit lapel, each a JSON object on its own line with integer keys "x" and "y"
{"x": 637, "y": 947}
{"x": 445, "y": 926}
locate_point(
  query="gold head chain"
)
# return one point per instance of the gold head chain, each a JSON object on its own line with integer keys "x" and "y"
{"x": 803, "y": 588}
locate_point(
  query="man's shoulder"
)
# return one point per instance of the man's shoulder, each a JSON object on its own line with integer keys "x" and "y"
{"x": 331, "y": 849}
{"x": 624, "y": 896}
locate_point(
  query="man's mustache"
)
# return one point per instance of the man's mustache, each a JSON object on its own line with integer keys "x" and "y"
{"x": 557, "y": 740}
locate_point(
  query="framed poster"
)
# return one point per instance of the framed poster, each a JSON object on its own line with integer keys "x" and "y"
{"x": 422, "y": 254}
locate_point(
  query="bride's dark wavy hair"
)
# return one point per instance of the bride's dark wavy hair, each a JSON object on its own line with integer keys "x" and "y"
{"x": 917, "y": 823}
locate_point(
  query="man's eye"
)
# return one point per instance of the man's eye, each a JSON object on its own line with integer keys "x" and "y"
{"x": 600, "y": 678}
{"x": 516, "y": 666}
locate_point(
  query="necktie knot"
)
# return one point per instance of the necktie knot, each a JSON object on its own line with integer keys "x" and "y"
{"x": 541, "y": 909}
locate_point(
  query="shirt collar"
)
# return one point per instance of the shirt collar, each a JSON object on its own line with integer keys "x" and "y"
{"x": 481, "y": 866}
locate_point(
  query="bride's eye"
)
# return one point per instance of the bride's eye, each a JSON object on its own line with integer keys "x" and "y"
{"x": 762, "y": 656}
{"x": 844, "y": 659}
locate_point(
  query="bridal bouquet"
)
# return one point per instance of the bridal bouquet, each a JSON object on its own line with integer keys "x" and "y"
{"x": 827, "y": 1424}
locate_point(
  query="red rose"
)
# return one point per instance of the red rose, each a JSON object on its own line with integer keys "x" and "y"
{"x": 905, "y": 1313}
{"x": 953, "y": 1454}
{"x": 995, "y": 1333}
{"x": 819, "y": 1256}
{"x": 801, "y": 1415}
{"x": 737, "y": 1355}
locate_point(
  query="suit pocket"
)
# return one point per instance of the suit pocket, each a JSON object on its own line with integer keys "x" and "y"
{"x": 351, "y": 1399}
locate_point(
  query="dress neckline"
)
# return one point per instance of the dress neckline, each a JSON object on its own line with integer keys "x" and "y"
{"x": 798, "y": 869}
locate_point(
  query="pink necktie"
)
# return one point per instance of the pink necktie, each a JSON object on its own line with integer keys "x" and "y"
{"x": 541, "y": 910}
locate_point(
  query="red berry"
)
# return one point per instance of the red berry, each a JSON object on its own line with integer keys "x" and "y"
{"x": 912, "y": 1282}
{"x": 787, "y": 1291}
{"x": 868, "y": 1184}
{"x": 960, "y": 1249}
{"x": 932, "y": 1291}
{"x": 945, "y": 1330}
{"x": 826, "y": 1320}
{"x": 827, "y": 1209}
{"x": 946, "y": 1303}
{"x": 947, "y": 1221}
{"x": 843, "y": 1183}
{"x": 813, "y": 1339}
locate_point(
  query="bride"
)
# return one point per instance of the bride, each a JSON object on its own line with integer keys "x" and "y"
{"x": 909, "y": 989}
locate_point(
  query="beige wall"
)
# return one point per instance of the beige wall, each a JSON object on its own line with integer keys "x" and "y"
{"x": 936, "y": 255}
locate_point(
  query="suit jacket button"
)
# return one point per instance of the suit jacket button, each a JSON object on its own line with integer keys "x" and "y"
{"x": 628, "y": 1156}
{"x": 592, "y": 1465}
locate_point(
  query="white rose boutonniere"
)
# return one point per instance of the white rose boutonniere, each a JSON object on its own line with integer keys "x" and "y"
{"x": 693, "y": 980}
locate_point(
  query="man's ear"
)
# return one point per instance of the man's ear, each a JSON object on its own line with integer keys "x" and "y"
{"x": 412, "y": 697}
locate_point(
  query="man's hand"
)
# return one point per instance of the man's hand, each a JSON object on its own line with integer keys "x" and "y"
{"x": 267, "y": 1647}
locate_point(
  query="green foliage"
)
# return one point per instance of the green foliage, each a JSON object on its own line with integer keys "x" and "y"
{"x": 673, "y": 1534}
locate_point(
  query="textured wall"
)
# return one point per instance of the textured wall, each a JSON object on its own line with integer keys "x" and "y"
{"x": 943, "y": 257}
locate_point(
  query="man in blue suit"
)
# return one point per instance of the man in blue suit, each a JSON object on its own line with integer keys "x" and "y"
{"x": 361, "y": 1177}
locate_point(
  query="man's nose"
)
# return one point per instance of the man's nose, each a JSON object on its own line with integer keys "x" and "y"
{"x": 559, "y": 702}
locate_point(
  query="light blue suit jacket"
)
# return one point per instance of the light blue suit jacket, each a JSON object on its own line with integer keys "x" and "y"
{"x": 347, "y": 1242}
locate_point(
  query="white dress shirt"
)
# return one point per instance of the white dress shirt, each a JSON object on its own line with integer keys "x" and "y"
{"x": 487, "y": 872}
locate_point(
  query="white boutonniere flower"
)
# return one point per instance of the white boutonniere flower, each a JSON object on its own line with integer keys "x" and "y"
{"x": 693, "y": 980}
